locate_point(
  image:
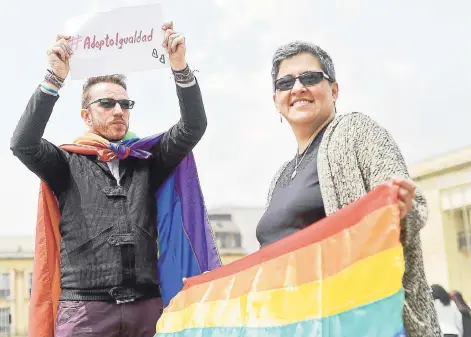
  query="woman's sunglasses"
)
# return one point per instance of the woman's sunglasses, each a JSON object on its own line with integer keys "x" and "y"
{"x": 307, "y": 79}
{"x": 108, "y": 103}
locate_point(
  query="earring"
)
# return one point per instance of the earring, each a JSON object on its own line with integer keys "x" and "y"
{"x": 281, "y": 118}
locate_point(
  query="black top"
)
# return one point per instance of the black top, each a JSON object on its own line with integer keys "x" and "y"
{"x": 466, "y": 323}
{"x": 296, "y": 203}
{"x": 108, "y": 231}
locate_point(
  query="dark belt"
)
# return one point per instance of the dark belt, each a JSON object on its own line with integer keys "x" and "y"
{"x": 115, "y": 294}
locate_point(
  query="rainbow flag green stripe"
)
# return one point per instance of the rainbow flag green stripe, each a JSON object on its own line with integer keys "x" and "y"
{"x": 381, "y": 317}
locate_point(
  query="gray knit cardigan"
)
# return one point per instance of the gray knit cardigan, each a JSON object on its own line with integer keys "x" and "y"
{"x": 355, "y": 156}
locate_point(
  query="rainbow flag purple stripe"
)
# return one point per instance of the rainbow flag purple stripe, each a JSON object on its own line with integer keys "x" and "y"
{"x": 186, "y": 242}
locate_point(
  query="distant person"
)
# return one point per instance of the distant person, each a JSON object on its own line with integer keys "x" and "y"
{"x": 449, "y": 317}
{"x": 339, "y": 159}
{"x": 106, "y": 187}
{"x": 463, "y": 307}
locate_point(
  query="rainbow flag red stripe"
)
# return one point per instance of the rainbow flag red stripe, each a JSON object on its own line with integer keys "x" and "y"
{"x": 341, "y": 276}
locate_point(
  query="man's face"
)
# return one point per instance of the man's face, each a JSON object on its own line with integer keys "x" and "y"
{"x": 108, "y": 121}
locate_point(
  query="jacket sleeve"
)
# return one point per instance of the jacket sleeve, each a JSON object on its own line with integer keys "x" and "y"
{"x": 380, "y": 160}
{"x": 46, "y": 160}
{"x": 181, "y": 138}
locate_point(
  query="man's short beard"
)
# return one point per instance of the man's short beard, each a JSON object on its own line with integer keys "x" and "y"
{"x": 97, "y": 132}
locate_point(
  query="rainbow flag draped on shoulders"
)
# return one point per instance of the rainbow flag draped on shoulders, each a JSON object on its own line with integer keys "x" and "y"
{"x": 186, "y": 242}
{"x": 340, "y": 277}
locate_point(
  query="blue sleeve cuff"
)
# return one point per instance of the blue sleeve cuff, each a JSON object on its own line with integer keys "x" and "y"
{"x": 48, "y": 91}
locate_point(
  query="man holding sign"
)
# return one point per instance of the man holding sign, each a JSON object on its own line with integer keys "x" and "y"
{"x": 98, "y": 206}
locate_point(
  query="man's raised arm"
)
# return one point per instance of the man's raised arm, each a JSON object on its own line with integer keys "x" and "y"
{"x": 46, "y": 160}
{"x": 181, "y": 138}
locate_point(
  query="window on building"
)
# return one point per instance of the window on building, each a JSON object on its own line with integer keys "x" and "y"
{"x": 462, "y": 220}
{"x": 237, "y": 240}
{"x": 456, "y": 203}
{"x": 228, "y": 240}
{"x": 30, "y": 282}
{"x": 220, "y": 217}
{"x": 4, "y": 285}
{"x": 5, "y": 321}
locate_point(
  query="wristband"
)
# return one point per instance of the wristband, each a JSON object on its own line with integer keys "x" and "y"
{"x": 183, "y": 76}
{"x": 54, "y": 79}
{"x": 47, "y": 90}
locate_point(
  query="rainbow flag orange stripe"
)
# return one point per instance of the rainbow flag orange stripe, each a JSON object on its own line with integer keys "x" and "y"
{"x": 341, "y": 276}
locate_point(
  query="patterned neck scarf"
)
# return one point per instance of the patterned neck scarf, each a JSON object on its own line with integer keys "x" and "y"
{"x": 92, "y": 144}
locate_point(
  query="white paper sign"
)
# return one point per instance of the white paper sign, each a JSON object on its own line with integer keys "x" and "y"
{"x": 119, "y": 41}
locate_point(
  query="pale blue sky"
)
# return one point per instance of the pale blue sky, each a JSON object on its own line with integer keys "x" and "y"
{"x": 404, "y": 63}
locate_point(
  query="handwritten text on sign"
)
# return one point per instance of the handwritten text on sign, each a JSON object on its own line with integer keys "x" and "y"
{"x": 123, "y": 40}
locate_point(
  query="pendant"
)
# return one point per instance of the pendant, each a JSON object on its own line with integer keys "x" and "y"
{"x": 294, "y": 174}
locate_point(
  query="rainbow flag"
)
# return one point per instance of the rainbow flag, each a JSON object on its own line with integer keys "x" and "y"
{"x": 186, "y": 244}
{"x": 341, "y": 276}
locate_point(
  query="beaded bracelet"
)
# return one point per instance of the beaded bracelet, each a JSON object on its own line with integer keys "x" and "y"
{"x": 54, "y": 79}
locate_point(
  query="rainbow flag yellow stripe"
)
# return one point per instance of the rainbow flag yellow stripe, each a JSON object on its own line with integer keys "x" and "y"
{"x": 342, "y": 274}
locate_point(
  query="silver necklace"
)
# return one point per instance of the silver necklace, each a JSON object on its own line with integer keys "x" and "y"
{"x": 295, "y": 172}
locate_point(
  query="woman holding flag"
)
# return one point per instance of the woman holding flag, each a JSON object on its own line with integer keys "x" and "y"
{"x": 339, "y": 159}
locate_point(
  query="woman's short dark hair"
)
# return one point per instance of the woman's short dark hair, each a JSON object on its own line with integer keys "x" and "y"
{"x": 296, "y": 48}
{"x": 439, "y": 293}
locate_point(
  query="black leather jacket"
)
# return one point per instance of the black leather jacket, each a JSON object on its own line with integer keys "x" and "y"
{"x": 109, "y": 236}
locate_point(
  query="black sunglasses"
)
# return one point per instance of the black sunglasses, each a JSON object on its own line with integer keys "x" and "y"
{"x": 108, "y": 103}
{"x": 307, "y": 79}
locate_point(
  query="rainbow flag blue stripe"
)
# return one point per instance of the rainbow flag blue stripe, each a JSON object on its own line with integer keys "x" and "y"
{"x": 186, "y": 242}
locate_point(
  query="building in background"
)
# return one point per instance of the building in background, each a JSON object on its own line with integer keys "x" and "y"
{"x": 16, "y": 266}
{"x": 228, "y": 237}
{"x": 446, "y": 239}
{"x": 234, "y": 229}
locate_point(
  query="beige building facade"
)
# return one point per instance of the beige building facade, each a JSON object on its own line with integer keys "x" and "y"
{"x": 228, "y": 237}
{"x": 234, "y": 229}
{"x": 446, "y": 182}
{"x": 16, "y": 263}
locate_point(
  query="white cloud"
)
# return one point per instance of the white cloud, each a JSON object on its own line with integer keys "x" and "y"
{"x": 239, "y": 16}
